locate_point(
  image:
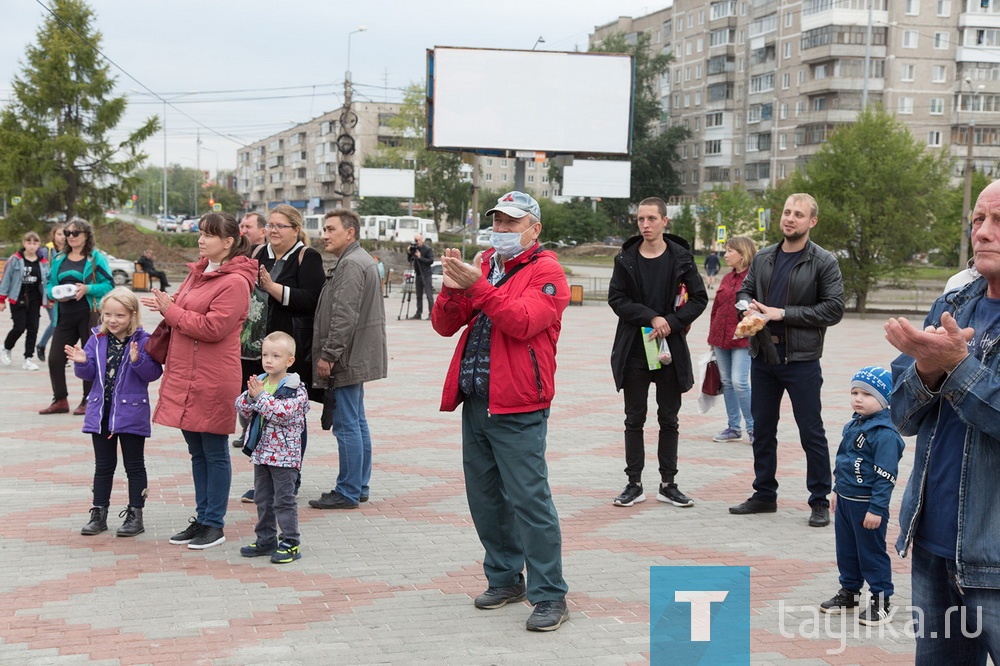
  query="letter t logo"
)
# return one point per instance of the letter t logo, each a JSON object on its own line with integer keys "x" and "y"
{"x": 701, "y": 610}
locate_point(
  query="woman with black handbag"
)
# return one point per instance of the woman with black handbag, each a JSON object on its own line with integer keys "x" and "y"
{"x": 291, "y": 274}
{"x": 732, "y": 355}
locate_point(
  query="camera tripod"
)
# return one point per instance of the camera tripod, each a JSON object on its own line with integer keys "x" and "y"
{"x": 407, "y": 291}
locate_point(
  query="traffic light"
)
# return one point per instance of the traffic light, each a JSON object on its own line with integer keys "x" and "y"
{"x": 211, "y": 202}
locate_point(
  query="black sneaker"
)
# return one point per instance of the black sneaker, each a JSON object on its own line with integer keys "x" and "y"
{"x": 40, "y": 353}
{"x": 363, "y": 498}
{"x": 820, "y": 516}
{"x": 208, "y": 537}
{"x": 754, "y": 505}
{"x": 247, "y": 497}
{"x": 876, "y": 613}
{"x": 548, "y": 616}
{"x": 190, "y": 532}
{"x": 237, "y": 443}
{"x": 672, "y": 494}
{"x": 332, "y": 500}
{"x": 287, "y": 552}
{"x": 259, "y": 549}
{"x": 498, "y": 597}
{"x": 631, "y": 495}
{"x": 844, "y": 600}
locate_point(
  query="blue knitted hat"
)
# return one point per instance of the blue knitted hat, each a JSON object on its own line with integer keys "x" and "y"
{"x": 876, "y": 381}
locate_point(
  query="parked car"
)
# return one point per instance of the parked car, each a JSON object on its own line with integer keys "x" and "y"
{"x": 483, "y": 239}
{"x": 121, "y": 270}
{"x": 166, "y": 224}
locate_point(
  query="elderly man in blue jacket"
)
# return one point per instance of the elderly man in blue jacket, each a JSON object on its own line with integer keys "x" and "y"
{"x": 947, "y": 393}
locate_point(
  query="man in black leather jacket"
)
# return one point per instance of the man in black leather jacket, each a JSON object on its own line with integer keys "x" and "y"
{"x": 421, "y": 257}
{"x": 797, "y": 286}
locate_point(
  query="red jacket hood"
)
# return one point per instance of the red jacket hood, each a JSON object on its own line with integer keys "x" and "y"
{"x": 240, "y": 265}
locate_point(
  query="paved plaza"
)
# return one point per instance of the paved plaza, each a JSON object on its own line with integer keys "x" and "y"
{"x": 393, "y": 581}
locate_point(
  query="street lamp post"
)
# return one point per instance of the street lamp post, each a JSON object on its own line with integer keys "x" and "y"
{"x": 963, "y": 245}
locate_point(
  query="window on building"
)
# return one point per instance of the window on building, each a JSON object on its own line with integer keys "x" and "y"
{"x": 489, "y": 161}
{"x": 819, "y": 104}
{"x": 905, "y": 105}
{"x": 910, "y": 39}
{"x": 713, "y": 119}
{"x": 912, "y": 7}
{"x": 701, "y": 17}
{"x": 802, "y": 76}
{"x": 531, "y": 179}
{"x": 489, "y": 177}
{"x": 941, "y": 40}
{"x": 695, "y": 151}
{"x": 782, "y": 141}
{"x": 943, "y": 7}
{"x": 684, "y": 152}
{"x": 694, "y": 177}
{"x": 938, "y": 73}
{"x": 783, "y": 111}
{"x": 937, "y": 106}
{"x": 786, "y": 81}
{"x": 503, "y": 178}
{"x": 697, "y": 70}
{"x": 907, "y": 72}
{"x": 799, "y": 108}
{"x": 934, "y": 138}
{"x": 789, "y": 17}
{"x": 722, "y": 9}
{"x": 787, "y": 48}
{"x": 687, "y": 47}
{"x": 697, "y": 102}
{"x": 762, "y": 83}
{"x": 700, "y": 44}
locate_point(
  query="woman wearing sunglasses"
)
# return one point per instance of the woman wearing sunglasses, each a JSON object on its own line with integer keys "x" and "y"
{"x": 84, "y": 270}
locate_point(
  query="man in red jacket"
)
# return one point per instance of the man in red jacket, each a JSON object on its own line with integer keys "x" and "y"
{"x": 510, "y": 303}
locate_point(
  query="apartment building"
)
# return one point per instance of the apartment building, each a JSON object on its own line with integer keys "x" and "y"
{"x": 761, "y": 84}
{"x": 312, "y": 165}
{"x": 308, "y": 166}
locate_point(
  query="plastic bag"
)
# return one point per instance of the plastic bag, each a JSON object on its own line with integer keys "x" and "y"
{"x": 751, "y": 324}
{"x": 705, "y": 402}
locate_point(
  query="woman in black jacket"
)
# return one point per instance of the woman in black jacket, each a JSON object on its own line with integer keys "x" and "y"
{"x": 292, "y": 274}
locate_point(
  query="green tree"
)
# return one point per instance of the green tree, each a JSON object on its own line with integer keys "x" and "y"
{"x": 576, "y": 220}
{"x": 58, "y": 154}
{"x": 683, "y": 225}
{"x": 379, "y": 206}
{"x": 438, "y": 173}
{"x": 947, "y": 231}
{"x": 654, "y": 152}
{"x": 734, "y": 208}
{"x": 880, "y": 192}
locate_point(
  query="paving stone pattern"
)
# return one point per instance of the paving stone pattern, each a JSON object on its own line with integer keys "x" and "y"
{"x": 393, "y": 581}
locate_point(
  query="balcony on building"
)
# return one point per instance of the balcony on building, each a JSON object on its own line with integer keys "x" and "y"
{"x": 840, "y": 41}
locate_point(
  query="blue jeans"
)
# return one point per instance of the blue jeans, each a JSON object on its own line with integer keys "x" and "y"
{"x": 354, "y": 442}
{"x": 944, "y": 636}
{"x": 212, "y": 474}
{"x": 803, "y": 381}
{"x": 734, "y": 368}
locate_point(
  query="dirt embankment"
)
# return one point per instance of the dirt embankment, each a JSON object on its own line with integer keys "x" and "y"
{"x": 125, "y": 241}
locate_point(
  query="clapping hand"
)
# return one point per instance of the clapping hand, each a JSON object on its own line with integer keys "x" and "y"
{"x": 75, "y": 354}
{"x": 133, "y": 352}
{"x": 158, "y": 302}
{"x": 254, "y": 387}
{"x": 457, "y": 273}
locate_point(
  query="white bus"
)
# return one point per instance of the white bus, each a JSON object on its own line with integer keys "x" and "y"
{"x": 406, "y": 227}
{"x": 375, "y": 227}
{"x": 313, "y": 224}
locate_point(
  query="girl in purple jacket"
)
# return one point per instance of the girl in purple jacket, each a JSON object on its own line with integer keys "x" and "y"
{"x": 115, "y": 360}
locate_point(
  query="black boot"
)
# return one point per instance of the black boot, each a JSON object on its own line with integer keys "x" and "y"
{"x": 98, "y": 521}
{"x": 133, "y": 522}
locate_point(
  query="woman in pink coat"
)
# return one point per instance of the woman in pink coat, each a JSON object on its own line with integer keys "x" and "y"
{"x": 202, "y": 375}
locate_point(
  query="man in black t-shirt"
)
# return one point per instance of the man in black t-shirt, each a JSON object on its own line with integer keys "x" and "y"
{"x": 797, "y": 286}
{"x": 653, "y": 274}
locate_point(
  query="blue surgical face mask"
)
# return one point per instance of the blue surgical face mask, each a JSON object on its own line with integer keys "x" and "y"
{"x": 507, "y": 244}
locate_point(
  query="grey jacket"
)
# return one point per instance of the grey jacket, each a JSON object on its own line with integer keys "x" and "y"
{"x": 349, "y": 327}
{"x": 815, "y": 301}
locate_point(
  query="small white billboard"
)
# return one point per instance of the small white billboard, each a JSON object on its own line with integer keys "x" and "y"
{"x": 397, "y": 183}
{"x": 493, "y": 99}
{"x": 598, "y": 178}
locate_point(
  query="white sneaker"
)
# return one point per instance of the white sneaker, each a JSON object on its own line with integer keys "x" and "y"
{"x": 29, "y": 365}
{"x": 5, "y": 356}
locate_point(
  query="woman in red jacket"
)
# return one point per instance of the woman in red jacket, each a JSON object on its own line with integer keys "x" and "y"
{"x": 202, "y": 375}
{"x": 733, "y": 356}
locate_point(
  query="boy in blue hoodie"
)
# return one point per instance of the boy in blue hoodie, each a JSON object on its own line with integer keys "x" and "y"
{"x": 866, "y": 468}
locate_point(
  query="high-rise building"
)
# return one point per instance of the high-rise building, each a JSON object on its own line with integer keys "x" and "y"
{"x": 761, "y": 84}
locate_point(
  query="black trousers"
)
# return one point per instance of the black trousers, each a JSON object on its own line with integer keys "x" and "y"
{"x": 161, "y": 276}
{"x": 25, "y": 315}
{"x": 424, "y": 286}
{"x": 73, "y": 327}
{"x": 106, "y": 462}
{"x": 668, "y": 403}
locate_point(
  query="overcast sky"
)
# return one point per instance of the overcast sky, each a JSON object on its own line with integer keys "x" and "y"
{"x": 280, "y": 63}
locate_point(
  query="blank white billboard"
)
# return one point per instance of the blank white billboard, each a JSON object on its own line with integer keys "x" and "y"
{"x": 489, "y": 99}
{"x": 597, "y": 178}
{"x": 399, "y": 183}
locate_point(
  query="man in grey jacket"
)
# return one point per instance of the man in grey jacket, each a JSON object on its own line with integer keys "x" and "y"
{"x": 797, "y": 286}
{"x": 349, "y": 349}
